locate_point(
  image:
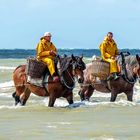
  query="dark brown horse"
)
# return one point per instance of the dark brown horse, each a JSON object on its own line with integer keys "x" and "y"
{"x": 71, "y": 67}
{"x": 125, "y": 83}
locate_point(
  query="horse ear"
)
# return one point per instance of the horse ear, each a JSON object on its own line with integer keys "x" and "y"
{"x": 65, "y": 55}
{"x": 137, "y": 57}
{"x": 58, "y": 57}
{"x": 81, "y": 56}
{"x": 72, "y": 56}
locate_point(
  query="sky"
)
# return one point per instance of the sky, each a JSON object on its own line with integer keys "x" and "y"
{"x": 80, "y": 24}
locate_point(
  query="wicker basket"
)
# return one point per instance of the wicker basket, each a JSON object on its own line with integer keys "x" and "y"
{"x": 35, "y": 68}
{"x": 100, "y": 69}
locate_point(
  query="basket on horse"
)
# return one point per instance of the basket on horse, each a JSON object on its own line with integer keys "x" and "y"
{"x": 100, "y": 69}
{"x": 35, "y": 68}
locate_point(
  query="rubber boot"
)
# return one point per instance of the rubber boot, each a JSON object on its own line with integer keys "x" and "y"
{"x": 115, "y": 76}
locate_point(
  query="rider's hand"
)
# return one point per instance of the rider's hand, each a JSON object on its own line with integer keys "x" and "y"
{"x": 53, "y": 53}
{"x": 113, "y": 57}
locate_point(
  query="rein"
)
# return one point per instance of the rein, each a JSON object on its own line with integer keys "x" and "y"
{"x": 132, "y": 76}
{"x": 73, "y": 80}
{"x": 138, "y": 77}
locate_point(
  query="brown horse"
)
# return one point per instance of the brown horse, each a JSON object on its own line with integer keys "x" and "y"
{"x": 125, "y": 83}
{"x": 71, "y": 67}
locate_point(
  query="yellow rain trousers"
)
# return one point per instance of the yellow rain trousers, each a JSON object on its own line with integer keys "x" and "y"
{"x": 43, "y": 54}
{"x": 108, "y": 49}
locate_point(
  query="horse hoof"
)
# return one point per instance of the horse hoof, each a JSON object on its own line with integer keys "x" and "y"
{"x": 87, "y": 99}
{"x": 14, "y": 94}
{"x": 22, "y": 103}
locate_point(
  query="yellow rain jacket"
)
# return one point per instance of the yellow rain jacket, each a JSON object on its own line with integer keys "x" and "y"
{"x": 43, "y": 54}
{"x": 108, "y": 49}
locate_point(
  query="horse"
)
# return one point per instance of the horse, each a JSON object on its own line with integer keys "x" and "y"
{"x": 71, "y": 68}
{"x": 130, "y": 71}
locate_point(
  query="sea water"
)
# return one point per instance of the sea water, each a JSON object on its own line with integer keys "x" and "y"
{"x": 97, "y": 119}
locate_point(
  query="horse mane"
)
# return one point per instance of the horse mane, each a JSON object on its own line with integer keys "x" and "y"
{"x": 64, "y": 63}
{"x": 128, "y": 66}
{"x": 130, "y": 60}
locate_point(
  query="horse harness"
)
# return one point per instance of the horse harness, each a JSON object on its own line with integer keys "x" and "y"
{"x": 125, "y": 69}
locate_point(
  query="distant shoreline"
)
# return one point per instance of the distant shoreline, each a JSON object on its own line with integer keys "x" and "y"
{"x": 24, "y": 53}
{"x": 65, "y": 49}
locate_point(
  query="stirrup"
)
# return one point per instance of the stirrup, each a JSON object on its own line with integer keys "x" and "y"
{"x": 115, "y": 76}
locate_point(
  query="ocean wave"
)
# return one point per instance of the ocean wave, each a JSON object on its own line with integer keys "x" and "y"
{"x": 10, "y": 107}
{"x": 97, "y": 99}
{"x": 58, "y": 102}
{"x": 102, "y": 103}
{"x": 103, "y": 138}
{"x": 6, "y": 95}
{"x": 63, "y": 103}
{"x": 6, "y": 68}
{"x": 7, "y": 85}
{"x": 77, "y": 104}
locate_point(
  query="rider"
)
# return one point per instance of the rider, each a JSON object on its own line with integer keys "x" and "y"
{"x": 46, "y": 52}
{"x": 109, "y": 51}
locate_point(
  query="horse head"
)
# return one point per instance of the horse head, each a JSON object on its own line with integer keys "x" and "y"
{"x": 133, "y": 68}
{"x": 137, "y": 69}
{"x": 78, "y": 67}
{"x": 70, "y": 68}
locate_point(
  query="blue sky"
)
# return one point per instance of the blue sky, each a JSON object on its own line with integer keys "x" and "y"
{"x": 73, "y": 23}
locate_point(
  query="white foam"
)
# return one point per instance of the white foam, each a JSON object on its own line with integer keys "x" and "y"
{"x": 5, "y": 95}
{"x": 64, "y": 123}
{"x": 6, "y": 68}
{"x": 97, "y": 99}
{"x": 58, "y": 102}
{"x": 108, "y": 103}
{"x": 10, "y": 107}
{"x": 8, "y": 84}
{"x": 103, "y": 138}
{"x": 51, "y": 126}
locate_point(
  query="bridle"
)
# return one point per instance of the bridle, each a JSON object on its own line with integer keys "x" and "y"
{"x": 132, "y": 75}
{"x": 75, "y": 65}
{"x": 129, "y": 69}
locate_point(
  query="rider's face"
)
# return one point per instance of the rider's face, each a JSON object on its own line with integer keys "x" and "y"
{"x": 110, "y": 36}
{"x": 47, "y": 38}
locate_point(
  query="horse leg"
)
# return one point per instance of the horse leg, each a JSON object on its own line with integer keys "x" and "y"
{"x": 89, "y": 93}
{"x": 70, "y": 98}
{"x": 17, "y": 99}
{"x": 82, "y": 96}
{"x": 113, "y": 97}
{"x": 129, "y": 95}
{"x": 24, "y": 96}
{"x": 17, "y": 93}
{"x": 81, "y": 93}
{"x": 52, "y": 99}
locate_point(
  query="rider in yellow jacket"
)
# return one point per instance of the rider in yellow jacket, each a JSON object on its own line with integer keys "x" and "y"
{"x": 109, "y": 51}
{"x": 46, "y": 52}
